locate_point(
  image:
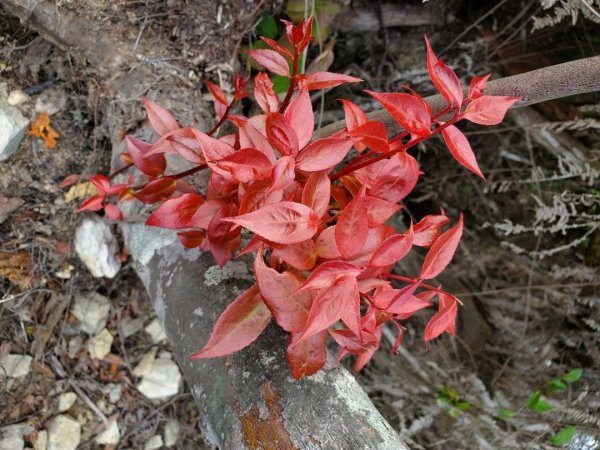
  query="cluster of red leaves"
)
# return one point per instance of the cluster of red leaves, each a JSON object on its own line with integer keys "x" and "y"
{"x": 328, "y": 248}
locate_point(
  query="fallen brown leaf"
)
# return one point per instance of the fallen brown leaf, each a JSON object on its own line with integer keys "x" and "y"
{"x": 17, "y": 267}
{"x": 9, "y": 205}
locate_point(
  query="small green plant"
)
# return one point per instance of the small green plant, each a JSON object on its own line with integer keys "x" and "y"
{"x": 452, "y": 399}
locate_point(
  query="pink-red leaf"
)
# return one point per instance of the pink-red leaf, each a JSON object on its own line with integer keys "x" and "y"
{"x": 489, "y": 109}
{"x": 443, "y": 320}
{"x": 397, "y": 179}
{"x": 441, "y": 252}
{"x": 309, "y": 356}
{"x": 161, "y": 120}
{"x": 443, "y": 77}
{"x": 152, "y": 165}
{"x": 372, "y": 135}
{"x": 380, "y": 210}
{"x": 407, "y": 110}
{"x": 352, "y": 226}
{"x": 157, "y": 190}
{"x": 176, "y": 213}
{"x": 355, "y": 117}
{"x": 94, "y": 203}
{"x": 239, "y": 325}
{"x": 245, "y": 165}
{"x": 283, "y": 222}
{"x": 301, "y": 256}
{"x": 299, "y": 115}
{"x": 113, "y": 212}
{"x": 328, "y": 273}
{"x": 428, "y": 229}
{"x": 324, "y": 80}
{"x": 271, "y": 60}
{"x": 461, "y": 149}
{"x": 324, "y": 153}
{"x": 393, "y": 249}
{"x": 265, "y": 94}
{"x": 317, "y": 192}
{"x": 325, "y": 246}
{"x": 477, "y": 86}
{"x": 281, "y": 134}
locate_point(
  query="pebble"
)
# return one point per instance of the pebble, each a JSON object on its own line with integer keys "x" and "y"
{"x": 64, "y": 433}
{"x": 12, "y": 129}
{"x": 113, "y": 391}
{"x": 111, "y": 435}
{"x": 41, "y": 443}
{"x": 66, "y": 400}
{"x": 11, "y": 437}
{"x": 97, "y": 248}
{"x": 155, "y": 331}
{"x": 145, "y": 364}
{"x": 154, "y": 442}
{"x": 15, "y": 366}
{"x": 99, "y": 345}
{"x": 171, "y": 432}
{"x": 17, "y": 97}
{"x": 92, "y": 310}
{"x": 161, "y": 381}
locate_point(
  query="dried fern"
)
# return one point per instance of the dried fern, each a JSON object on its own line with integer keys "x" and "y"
{"x": 563, "y": 9}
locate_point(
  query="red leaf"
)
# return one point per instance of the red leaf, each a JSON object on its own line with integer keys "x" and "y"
{"x": 69, "y": 180}
{"x": 372, "y": 135}
{"x": 157, "y": 190}
{"x": 355, "y": 116}
{"x": 443, "y": 77}
{"x": 443, "y": 320}
{"x": 161, "y": 120}
{"x": 152, "y": 165}
{"x": 477, "y": 86}
{"x": 489, "y": 109}
{"x": 192, "y": 238}
{"x": 265, "y": 94}
{"x": 176, "y": 213}
{"x": 352, "y": 226}
{"x": 94, "y": 203}
{"x": 301, "y": 256}
{"x": 328, "y": 273}
{"x": 251, "y": 137}
{"x": 408, "y": 308}
{"x": 461, "y": 149}
{"x": 278, "y": 48}
{"x": 213, "y": 149}
{"x": 329, "y": 305}
{"x": 259, "y": 194}
{"x": 239, "y": 325}
{"x": 184, "y": 142}
{"x": 393, "y": 249}
{"x": 317, "y": 192}
{"x": 324, "y": 153}
{"x": 245, "y": 165}
{"x": 281, "y": 134}
{"x": 397, "y": 179}
{"x": 442, "y": 251}
{"x": 394, "y": 298}
{"x": 364, "y": 358}
{"x": 309, "y": 356}
{"x": 283, "y": 173}
{"x": 324, "y": 80}
{"x": 380, "y": 210}
{"x": 352, "y": 343}
{"x": 299, "y": 114}
{"x": 204, "y": 214}
{"x": 325, "y": 247}
{"x": 113, "y": 212}
{"x": 216, "y": 92}
{"x": 271, "y": 60}
{"x": 407, "y": 110}
{"x": 101, "y": 183}
{"x": 299, "y": 35}
{"x": 223, "y": 250}
{"x": 219, "y": 230}
{"x": 278, "y": 290}
{"x": 283, "y": 222}
{"x": 428, "y": 229}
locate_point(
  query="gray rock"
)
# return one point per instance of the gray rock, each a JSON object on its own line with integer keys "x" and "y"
{"x": 154, "y": 442}
{"x": 97, "y": 248}
{"x": 92, "y": 311}
{"x": 111, "y": 435}
{"x": 99, "y": 345}
{"x": 11, "y": 437}
{"x": 64, "y": 433}
{"x": 15, "y": 366}
{"x": 171, "y": 432}
{"x": 161, "y": 381}
{"x": 12, "y": 129}
{"x": 66, "y": 400}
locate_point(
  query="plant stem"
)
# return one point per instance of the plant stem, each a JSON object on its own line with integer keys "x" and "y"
{"x": 417, "y": 280}
{"x": 175, "y": 176}
{"x": 223, "y": 117}
{"x": 119, "y": 171}
{"x": 292, "y": 87}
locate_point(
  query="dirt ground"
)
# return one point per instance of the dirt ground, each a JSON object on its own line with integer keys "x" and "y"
{"x": 527, "y": 269}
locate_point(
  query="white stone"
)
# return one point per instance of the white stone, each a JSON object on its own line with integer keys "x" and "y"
{"x": 17, "y": 97}
{"x": 145, "y": 364}
{"x": 155, "y": 331}
{"x": 64, "y": 433}
{"x": 11, "y": 438}
{"x": 15, "y": 366}
{"x": 97, "y": 248}
{"x": 12, "y": 129}
{"x": 111, "y": 435}
{"x": 66, "y": 400}
{"x": 92, "y": 310}
{"x": 171, "y": 432}
{"x": 99, "y": 345}
{"x": 162, "y": 381}
{"x": 41, "y": 443}
{"x": 154, "y": 442}
{"x": 114, "y": 392}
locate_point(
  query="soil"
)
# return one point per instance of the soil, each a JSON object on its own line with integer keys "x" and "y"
{"x": 526, "y": 270}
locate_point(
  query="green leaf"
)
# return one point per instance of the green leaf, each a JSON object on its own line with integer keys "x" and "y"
{"x": 541, "y": 407}
{"x": 564, "y": 436}
{"x": 556, "y": 385}
{"x": 463, "y": 406}
{"x": 506, "y": 413}
{"x": 280, "y": 84}
{"x": 533, "y": 399}
{"x": 267, "y": 27}
{"x": 572, "y": 376}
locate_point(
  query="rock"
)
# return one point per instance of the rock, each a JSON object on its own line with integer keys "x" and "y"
{"x": 145, "y": 364}
{"x": 66, "y": 400}
{"x": 92, "y": 311}
{"x": 12, "y": 129}
{"x": 113, "y": 391}
{"x": 15, "y": 366}
{"x": 111, "y": 435}
{"x": 17, "y": 97}
{"x": 11, "y": 438}
{"x": 41, "y": 442}
{"x": 129, "y": 327}
{"x": 171, "y": 432}
{"x": 99, "y": 345}
{"x": 161, "y": 381}
{"x": 155, "y": 331}
{"x": 51, "y": 101}
{"x": 64, "y": 433}
{"x": 97, "y": 248}
{"x": 154, "y": 442}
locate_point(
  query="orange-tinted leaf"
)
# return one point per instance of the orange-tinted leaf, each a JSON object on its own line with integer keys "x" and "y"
{"x": 441, "y": 252}
{"x": 309, "y": 356}
{"x": 461, "y": 149}
{"x": 317, "y": 192}
{"x": 283, "y": 222}
{"x": 407, "y": 110}
{"x": 239, "y": 325}
{"x": 161, "y": 120}
{"x": 352, "y": 227}
{"x": 443, "y": 320}
{"x": 271, "y": 60}
{"x": 157, "y": 190}
{"x": 489, "y": 109}
{"x": 393, "y": 249}
{"x": 176, "y": 213}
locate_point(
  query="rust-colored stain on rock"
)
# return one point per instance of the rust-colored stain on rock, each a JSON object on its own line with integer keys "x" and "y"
{"x": 267, "y": 433}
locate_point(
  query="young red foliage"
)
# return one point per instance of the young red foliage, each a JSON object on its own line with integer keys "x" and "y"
{"x": 324, "y": 233}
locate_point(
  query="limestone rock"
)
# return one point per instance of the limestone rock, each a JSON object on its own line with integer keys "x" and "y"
{"x": 15, "y": 366}
{"x": 11, "y": 438}
{"x": 66, "y": 400}
{"x": 156, "y": 332}
{"x": 111, "y": 435}
{"x": 92, "y": 311}
{"x": 12, "y": 129}
{"x": 171, "y": 432}
{"x": 97, "y": 248}
{"x": 17, "y": 97}
{"x": 99, "y": 345}
{"x": 154, "y": 442}
{"x": 162, "y": 381}
{"x": 64, "y": 433}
